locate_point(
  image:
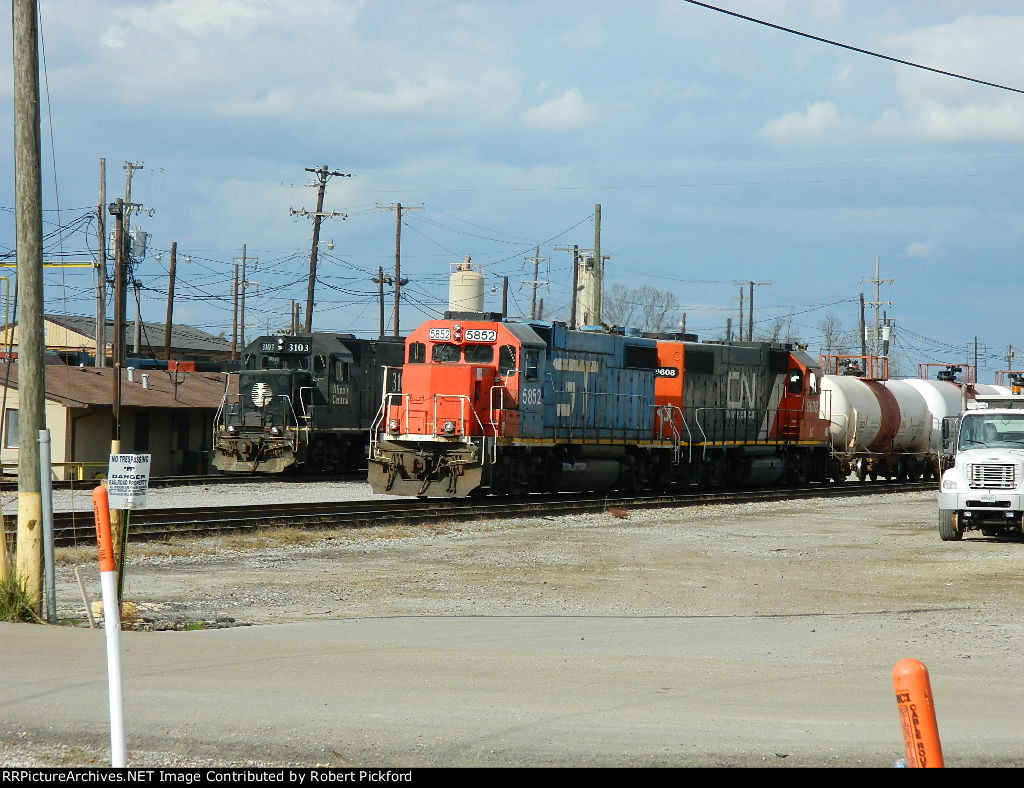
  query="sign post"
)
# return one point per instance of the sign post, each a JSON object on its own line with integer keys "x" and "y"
{"x": 127, "y": 484}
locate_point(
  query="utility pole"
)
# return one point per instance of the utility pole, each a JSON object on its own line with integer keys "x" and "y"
{"x": 243, "y": 283}
{"x": 741, "y": 315}
{"x": 750, "y": 308}
{"x": 137, "y": 334}
{"x": 398, "y": 280}
{"x": 323, "y": 174}
{"x": 234, "y": 314}
{"x": 168, "y": 326}
{"x": 863, "y": 329}
{"x": 117, "y": 210}
{"x": 535, "y": 283}
{"x": 29, "y": 235}
{"x": 598, "y": 279}
{"x": 575, "y": 249}
{"x": 380, "y": 280}
{"x": 878, "y": 281}
{"x": 504, "y": 297}
{"x": 590, "y": 279}
{"x": 101, "y": 270}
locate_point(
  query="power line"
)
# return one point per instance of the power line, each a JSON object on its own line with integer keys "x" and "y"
{"x": 852, "y": 48}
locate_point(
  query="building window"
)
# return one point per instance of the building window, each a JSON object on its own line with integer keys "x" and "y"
{"x": 11, "y": 429}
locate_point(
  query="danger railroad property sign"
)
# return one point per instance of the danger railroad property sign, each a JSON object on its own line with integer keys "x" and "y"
{"x": 128, "y": 480}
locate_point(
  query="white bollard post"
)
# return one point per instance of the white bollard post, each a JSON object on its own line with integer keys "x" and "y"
{"x": 112, "y": 625}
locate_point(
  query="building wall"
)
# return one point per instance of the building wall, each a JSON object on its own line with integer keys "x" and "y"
{"x": 177, "y": 440}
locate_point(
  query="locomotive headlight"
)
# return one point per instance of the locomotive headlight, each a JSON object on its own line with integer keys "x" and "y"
{"x": 449, "y": 428}
{"x": 393, "y": 425}
{"x": 275, "y": 430}
{"x": 232, "y": 430}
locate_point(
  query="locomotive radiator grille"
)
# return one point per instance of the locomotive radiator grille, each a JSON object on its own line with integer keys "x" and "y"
{"x": 1001, "y": 476}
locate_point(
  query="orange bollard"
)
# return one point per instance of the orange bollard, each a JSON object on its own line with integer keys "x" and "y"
{"x": 104, "y": 540}
{"x": 917, "y": 714}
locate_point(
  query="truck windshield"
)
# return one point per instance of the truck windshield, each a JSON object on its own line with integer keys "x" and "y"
{"x": 992, "y": 431}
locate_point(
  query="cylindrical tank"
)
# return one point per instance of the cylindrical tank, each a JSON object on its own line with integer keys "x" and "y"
{"x": 942, "y": 399}
{"x": 466, "y": 288}
{"x": 868, "y": 415}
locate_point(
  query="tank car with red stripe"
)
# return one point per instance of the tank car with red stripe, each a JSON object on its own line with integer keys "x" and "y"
{"x": 490, "y": 405}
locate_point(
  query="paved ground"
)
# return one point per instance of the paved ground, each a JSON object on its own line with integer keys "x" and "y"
{"x": 748, "y": 635}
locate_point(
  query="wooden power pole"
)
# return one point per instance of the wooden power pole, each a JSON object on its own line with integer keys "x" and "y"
{"x": 169, "y": 325}
{"x": 29, "y": 235}
{"x": 101, "y": 270}
{"x": 399, "y": 281}
{"x": 323, "y": 174}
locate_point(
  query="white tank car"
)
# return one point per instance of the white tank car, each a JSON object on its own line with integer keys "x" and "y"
{"x": 872, "y": 417}
{"x": 942, "y": 399}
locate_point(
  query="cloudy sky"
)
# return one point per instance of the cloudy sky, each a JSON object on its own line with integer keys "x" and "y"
{"x": 720, "y": 151}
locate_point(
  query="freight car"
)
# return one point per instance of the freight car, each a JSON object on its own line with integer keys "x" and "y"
{"x": 492, "y": 405}
{"x": 304, "y": 402}
{"x": 892, "y": 428}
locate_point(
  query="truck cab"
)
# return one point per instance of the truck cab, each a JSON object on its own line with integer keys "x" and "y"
{"x": 983, "y": 489}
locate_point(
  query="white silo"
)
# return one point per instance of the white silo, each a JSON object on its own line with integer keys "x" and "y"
{"x": 466, "y": 287}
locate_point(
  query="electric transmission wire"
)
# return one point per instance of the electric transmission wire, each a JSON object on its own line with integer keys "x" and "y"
{"x": 852, "y": 48}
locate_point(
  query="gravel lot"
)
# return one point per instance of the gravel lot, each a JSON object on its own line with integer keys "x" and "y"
{"x": 870, "y": 571}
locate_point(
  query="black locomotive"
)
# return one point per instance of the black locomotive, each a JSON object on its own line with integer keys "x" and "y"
{"x": 305, "y": 402}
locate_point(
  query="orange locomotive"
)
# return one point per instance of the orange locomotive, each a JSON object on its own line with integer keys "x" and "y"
{"x": 508, "y": 407}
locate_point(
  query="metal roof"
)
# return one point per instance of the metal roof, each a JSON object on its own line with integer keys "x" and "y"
{"x": 182, "y": 337}
{"x": 80, "y": 387}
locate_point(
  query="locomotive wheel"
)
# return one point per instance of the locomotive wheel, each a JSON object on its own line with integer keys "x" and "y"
{"x": 949, "y": 526}
{"x": 862, "y": 469}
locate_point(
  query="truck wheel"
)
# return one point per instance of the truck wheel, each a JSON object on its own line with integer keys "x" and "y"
{"x": 949, "y": 526}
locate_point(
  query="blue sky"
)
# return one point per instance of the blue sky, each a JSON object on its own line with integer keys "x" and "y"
{"x": 720, "y": 151}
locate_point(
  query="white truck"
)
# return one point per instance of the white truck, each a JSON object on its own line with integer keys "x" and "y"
{"x": 984, "y": 488}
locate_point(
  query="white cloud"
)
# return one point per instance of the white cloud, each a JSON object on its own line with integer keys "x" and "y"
{"x": 564, "y": 113}
{"x": 818, "y": 122}
{"x": 919, "y": 249}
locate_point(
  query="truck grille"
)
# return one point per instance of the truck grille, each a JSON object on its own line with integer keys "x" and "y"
{"x": 1000, "y": 476}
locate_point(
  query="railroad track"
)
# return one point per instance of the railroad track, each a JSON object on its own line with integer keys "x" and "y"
{"x": 78, "y": 528}
{"x": 10, "y": 483}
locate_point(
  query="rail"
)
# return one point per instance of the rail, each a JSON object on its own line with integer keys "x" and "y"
{"x": 77, "y": 528}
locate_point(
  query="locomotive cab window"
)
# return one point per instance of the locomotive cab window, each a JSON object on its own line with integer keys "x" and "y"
{"x": 341, "y": 371}
{"x": 796, "y": 381}
{"x": 319, "y": 366}
{"x": 506, "y": 360}
{"x": 445, "y": 354}
{"x": 478, "y": 354}
{"x": 532, "y": 364}
{"x": 813, "y": 386}
{"x": 417, "y": 352}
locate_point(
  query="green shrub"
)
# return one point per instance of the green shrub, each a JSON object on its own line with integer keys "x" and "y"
{"x": 15, "y": 604}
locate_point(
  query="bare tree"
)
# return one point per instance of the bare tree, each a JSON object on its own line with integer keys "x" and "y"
{"x": 780, "y": 330}
{"x": 835, "y": 340}
{"x": 646, "y": 308}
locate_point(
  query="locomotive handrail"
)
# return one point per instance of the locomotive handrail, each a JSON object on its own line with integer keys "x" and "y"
{"x": 665, "y": 413}
{"x": 590, "y": 415}
{"x": 306, "y": 413}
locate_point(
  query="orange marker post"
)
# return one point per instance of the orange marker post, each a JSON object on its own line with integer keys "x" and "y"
{"x": 917, "y": 714}
{"x": 112, "y": 624}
